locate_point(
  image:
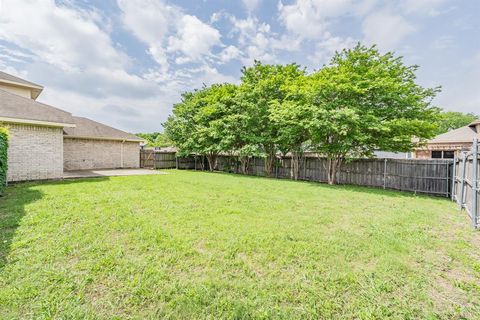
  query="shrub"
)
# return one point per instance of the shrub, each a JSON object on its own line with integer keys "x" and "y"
{"x": 3, "y": 158}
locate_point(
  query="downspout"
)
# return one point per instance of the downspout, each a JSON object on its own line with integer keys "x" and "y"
{"x": 121, "y": 154}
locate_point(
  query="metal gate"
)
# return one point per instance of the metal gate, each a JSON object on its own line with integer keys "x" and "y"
{"x": 465, "y": 188}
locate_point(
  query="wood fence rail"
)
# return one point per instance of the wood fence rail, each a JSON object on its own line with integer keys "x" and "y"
{"x": 433, "y": 177}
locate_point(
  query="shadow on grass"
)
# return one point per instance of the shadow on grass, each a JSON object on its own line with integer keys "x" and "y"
{"x": 13, "y": 208}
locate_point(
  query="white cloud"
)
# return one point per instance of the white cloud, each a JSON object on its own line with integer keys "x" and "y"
{"x": 193, "y": 38}
{"x": 430, "y": 7}
{"x": 166, "y": 29}
{"x": 229, "y": 53}
{"x": 58, "y": 34}
{"x": 309, "y": 18}
{"x": 256, "y": 41}
{"x": 251, "y": 5}
{"x": 70, "y": 51}
{"x": 325, "y": 49}
{"x": 386, "y": 30}
{"x": 444, "y": 42}
{"x": 67, "y": 44}
{"x": 150, "y": 22}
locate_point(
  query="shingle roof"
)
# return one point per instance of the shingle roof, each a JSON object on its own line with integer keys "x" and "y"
{"x": 474, "y": 123}
{"x": 18, "y": 107}
{"x": 463, "y": 134}
{"x": 86, "y": 128}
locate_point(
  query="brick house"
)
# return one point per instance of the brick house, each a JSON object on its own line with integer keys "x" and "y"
{"x": 45, "y": 141}
{"x": 450, "y": 144}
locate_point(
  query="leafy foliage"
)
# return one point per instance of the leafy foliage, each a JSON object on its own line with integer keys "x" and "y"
{"x": 263, "y": 89}
{"x": 360, "y": 102}
{"x": 363, "y": 101}
{"x": 451, "y": 120}
{"x": 3, "y": 158}
{"x": 201, "y": 123}
{"x": 156, "y": 139}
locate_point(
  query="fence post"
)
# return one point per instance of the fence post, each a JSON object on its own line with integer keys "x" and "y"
{"x": 448, "y": 178}
{"x": 462, "y": 186}
{"x": 176, "y": 162}
{"x": 454, "y": 176}
{"x": 304, "y": 168}
{"x": 475, "y": 184}
{"x": 385, "y": 174}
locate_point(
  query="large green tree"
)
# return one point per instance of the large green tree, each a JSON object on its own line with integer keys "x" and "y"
{"x": 291, "y": 117}
{"x": 263, "y": 86}
{"x": 199, "y": 123}
{"x": 363, "y": 101}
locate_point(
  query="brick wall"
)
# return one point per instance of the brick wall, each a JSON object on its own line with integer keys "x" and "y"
{"x": 425, "y": 152}
{"x": 84, "y": 154}
{"x": 34, "y": 153}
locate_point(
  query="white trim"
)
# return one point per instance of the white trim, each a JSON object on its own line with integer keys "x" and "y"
{"x": 37, "y": 122}
{"x": 24, "y": 85}
{"x": 101, "y": 138}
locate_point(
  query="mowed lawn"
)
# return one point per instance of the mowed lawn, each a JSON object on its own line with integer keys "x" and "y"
{"x": 208, "y": 245}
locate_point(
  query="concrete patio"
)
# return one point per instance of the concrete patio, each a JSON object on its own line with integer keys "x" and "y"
{"x": 108, "y": 173}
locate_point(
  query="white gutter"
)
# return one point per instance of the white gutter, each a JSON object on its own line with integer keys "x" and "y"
{"x": 121, "y": 154}
{"x": 102, "y": 138}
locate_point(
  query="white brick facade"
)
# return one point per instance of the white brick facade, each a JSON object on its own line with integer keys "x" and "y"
{"x": 34, "y": 152}
{"x": 84, "y": 154}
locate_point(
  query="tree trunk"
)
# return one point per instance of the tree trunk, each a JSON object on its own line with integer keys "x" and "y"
{"x": 212, "y": 161}
{"x": 333, "y": 165}
{"x": 244, "y": 164}
{"x": 269, "y": 161}
{"x": 295, "y": 167}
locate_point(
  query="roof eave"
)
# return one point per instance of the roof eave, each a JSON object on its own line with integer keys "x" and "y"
{"x": 36, "y": 89}
{"x": 37, "y": 122}
{"x": 19, "y": 84}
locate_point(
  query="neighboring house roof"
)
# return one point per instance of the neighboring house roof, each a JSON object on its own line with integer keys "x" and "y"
{"x": 463, "y": 134}
{"x": 9, "y": 79}
{"x": 89, "y": 129}
{"x": 18, "y": 109}
{"x": 475, "y": 123}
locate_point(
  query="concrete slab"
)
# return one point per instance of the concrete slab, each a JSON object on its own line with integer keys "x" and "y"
{"x": 109, "y": 173}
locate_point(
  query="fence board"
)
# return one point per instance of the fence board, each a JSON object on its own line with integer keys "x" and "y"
{"x": 420, "y": 176}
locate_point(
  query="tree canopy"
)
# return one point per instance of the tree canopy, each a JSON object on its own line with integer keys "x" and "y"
{"x": 360, "y": 102}
{"x": 156, "y": 139}
{"x": 450, "y": 120}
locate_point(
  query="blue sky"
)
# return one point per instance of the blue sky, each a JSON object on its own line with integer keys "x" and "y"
{"x": 126, "y": 62}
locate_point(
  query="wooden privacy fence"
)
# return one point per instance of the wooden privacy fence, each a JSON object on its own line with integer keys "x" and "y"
{"x": 465, "y": 189}
{"x": 420, "y": 176}
{"x": 155, "y": 159}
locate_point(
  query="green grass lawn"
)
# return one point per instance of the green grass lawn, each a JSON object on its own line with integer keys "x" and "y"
{"x": 205, "y": 245}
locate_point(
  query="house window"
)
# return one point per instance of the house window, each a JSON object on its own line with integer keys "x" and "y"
{"x": 443, "y": 154}
{"x": 437, "y": 154}
{"x": 448, "y": 154}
